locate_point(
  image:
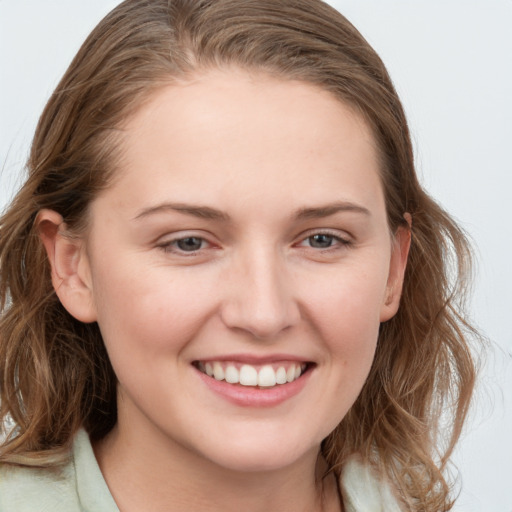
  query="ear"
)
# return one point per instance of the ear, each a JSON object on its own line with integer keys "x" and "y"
{"x": 399, "y": 253}
{"x": 71, "y": 277}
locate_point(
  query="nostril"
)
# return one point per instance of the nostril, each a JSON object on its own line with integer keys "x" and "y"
{"x": 258, "y": 298}
{"x": 260, "y": 322}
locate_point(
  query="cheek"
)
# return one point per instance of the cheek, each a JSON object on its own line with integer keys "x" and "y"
{"x": 146, "y": 313}
{"x": 347, "y": 311}
{"x": 346, "y": 319}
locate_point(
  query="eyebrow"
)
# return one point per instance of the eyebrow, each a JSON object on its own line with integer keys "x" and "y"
{"x": 206, "y": 212}
{"x": 330, "y": 209}
{"x": 201, "y": 212}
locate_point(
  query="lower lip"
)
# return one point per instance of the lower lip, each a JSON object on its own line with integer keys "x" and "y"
{"x": 248, "y": 396}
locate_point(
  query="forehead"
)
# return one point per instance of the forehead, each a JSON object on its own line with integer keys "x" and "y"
{"x": 231, "y": 127}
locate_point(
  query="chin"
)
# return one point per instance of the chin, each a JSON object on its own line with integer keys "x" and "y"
{"x": 252, "y": 462}
{"x": 261, "y": 453}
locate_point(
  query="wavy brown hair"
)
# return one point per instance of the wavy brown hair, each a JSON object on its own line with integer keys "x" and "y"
{"x": 55, "y": 375}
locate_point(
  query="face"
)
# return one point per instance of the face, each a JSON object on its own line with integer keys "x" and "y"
{"x": 239, "y": 268}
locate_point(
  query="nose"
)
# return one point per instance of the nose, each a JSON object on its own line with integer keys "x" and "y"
{"x": 259, "y": 296}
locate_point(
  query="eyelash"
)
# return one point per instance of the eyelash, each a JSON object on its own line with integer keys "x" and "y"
{"x": 337, "y": 243}
{"x": 171, "y": 246}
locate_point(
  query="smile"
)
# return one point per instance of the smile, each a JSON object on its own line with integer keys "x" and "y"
{"x": 263, "y": 376}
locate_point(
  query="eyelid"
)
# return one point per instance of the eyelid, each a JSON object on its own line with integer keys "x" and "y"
{"x": 167, "y": 243}
{"x": 342, "y": 236}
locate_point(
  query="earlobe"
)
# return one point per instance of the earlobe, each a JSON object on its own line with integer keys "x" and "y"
{"x": 397, "y": 266}
{"x": 69, "y": 264}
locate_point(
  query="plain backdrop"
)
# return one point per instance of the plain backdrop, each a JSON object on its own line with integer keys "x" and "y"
{"x": 451, "y": 63}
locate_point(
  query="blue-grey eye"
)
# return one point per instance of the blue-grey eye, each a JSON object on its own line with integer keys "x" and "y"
{"x": 189, "y": 244}
{"x": 321, "y": 241}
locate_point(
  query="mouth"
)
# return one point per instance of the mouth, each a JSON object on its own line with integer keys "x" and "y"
{"x": 262, "y": 376}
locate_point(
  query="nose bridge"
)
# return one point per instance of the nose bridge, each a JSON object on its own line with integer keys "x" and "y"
{"x": 260, "y": 298}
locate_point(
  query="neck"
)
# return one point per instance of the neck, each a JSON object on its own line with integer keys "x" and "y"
{"x": 144, "y": 473}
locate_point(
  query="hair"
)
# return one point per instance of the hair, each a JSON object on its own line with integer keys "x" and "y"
{"x": 55, "y": 375}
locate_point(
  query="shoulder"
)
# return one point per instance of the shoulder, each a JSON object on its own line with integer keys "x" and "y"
{"x": 363, "y": 491}
{"x": 24, "y": 489}
{"x": 77, "y": 486}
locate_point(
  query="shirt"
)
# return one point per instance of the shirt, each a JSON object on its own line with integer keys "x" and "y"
{"x": 79, "y": 486}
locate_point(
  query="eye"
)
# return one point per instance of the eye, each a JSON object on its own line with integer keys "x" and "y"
{"x": 190, "y": 244}
{"x": 324, "y": 241}
{"x": 184, "y": 245}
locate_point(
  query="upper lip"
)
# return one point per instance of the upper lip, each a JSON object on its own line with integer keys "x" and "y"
{"x": 256, "y": 359}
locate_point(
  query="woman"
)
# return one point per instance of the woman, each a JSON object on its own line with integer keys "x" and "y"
{"x": 222, "y": 285}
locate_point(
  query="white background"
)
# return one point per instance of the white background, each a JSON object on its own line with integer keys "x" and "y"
{"x": 451, "y": 61}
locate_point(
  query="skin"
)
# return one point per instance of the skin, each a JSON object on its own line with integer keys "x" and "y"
{"x": 295, "y": 257}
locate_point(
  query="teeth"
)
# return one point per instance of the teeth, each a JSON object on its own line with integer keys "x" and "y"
{"x": 231, "y": 375}
{"x": 218, "y": 371}
{"x": 267, "y": 377}
{"x": 281, "y": 375}
{"x": 247, "y": 375}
